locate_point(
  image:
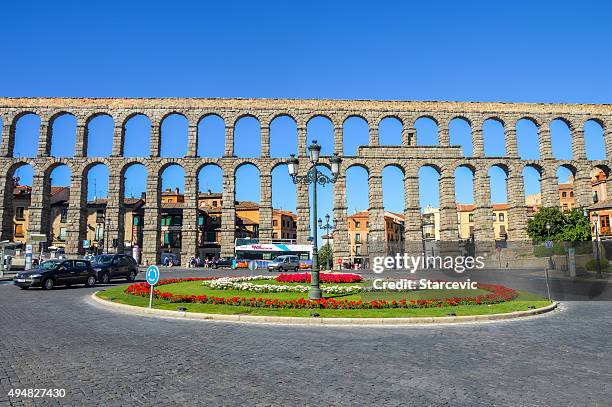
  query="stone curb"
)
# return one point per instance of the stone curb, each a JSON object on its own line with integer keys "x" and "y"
{"x": 257, "y": 319}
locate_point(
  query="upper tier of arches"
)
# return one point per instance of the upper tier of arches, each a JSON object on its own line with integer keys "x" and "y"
{"x": 192, "y": 133}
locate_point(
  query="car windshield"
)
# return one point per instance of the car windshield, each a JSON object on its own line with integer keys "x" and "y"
{"x": 50, "y": 265}
{"x": 102, "y": 259}
{"x": 278, "y": 259}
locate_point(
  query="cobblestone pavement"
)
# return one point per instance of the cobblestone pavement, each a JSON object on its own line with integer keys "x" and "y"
{"x": 58, "y": 339}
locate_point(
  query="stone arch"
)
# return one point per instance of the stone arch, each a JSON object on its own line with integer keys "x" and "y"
{"x": 320, "y": 127}
{"x": 532, "y": 184}
{"x": 527, "y": 138}
{"x": 213, "y": 124}
{"x": 247, "y": 136}
{"x": 174, "y": 128}
{"x": 561, "y": 131}
{"x": 494, "y": 138}
{"x": 283, "y": 127}
{"x": 355, "y": 133}
{"x": 460, "y": 133}
{"x": 98, "y": 141}
{"x": 427, "y": 131}
{"x": 15, "y": 190}
{"x": 62, "y": 140}
{"x": 25, "y": 145}
{"x": 566, "y": 176}
{"x": 594, "y": 142}
{"x": 137, "y": 127}
{"x": 390, "y": 129}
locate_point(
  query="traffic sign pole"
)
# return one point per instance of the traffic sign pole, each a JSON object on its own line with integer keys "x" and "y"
{"x": 151, "y": 298}
{"x": 152, "y": 277}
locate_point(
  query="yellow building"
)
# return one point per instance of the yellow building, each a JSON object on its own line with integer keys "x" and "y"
{"x": 358, "y": 227}
{"x": 465, "y": 220}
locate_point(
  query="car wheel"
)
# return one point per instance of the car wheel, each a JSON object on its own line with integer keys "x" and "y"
{"x": 91, "y": 281}
{"x": 48, "y": 284}
{"x": 24, "y": 287}
{"x": 131, "y": 277}
{"x": 105, "y": 278}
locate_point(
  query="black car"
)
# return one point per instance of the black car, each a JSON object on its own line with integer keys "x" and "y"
{"x": 57, "y": 272}
{"x": 110, "y": 266}
{"x": 223, "y": 262}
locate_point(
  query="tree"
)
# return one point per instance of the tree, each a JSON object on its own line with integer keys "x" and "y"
{"x": 572, "y": 226}
{"x": 326, "y": 252}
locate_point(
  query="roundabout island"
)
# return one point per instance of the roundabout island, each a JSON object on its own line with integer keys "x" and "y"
{"x": 348, "y": 299}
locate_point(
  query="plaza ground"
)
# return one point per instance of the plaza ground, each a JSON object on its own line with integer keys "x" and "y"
{"x": 59, "y": 339}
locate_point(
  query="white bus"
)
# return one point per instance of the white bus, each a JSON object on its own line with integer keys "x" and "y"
{"x": 250, "y": 249}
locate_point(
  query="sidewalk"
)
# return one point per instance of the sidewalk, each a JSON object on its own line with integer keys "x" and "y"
{"x": 582, "y": 275}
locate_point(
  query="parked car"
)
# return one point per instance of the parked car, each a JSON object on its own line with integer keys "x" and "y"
{"x": 110, "y": 266}
{"x": 285, "y": 263}
{"x": 223, "y": 262}
{"x": 57, "y": 272}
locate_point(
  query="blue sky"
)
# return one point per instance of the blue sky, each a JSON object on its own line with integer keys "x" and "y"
{"x": 481, "y": 51}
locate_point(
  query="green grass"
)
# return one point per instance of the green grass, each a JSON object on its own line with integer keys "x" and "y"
{"x": 521, "y": 303}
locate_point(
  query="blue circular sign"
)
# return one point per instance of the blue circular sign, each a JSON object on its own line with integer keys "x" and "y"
{"x": 549, "y": 244}
{"x": 152, "y": 275}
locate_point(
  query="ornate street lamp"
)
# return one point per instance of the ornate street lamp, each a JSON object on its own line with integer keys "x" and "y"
{"x": 327, "y": 228}
{"x": 314, "y": 177}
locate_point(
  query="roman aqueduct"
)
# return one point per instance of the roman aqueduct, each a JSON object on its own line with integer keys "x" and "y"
{"x": 408, "y": 157}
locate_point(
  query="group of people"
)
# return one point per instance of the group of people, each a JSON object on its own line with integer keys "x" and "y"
{"x": 207, "y": 263}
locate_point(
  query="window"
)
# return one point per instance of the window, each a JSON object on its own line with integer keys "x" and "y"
{"x": 19, "y": 213}
{"x": 471, "y": 217}
{"x": 357, "y": 238}
{"x": 274, "y": 235}
{"x": 358, "y": 251}
{"x": 137, "y": 220}
{"x": 62, "y": 234}
{"x": 177, "y": 220}
{"x": 274, "y": 222}
{"x": 100, "y": 216}
{"x": 80, "y": 265}
{"x": 215, "y": 203}
{"x": 501, "y": 217}
{"x": 64, "y": 215}
{"x": 19, "y": 230}
{"x": 564, "y": 194}
{"x": 571, "y": 193}
{"x": 356, "y": 224}
{"x": 200, "y": 220}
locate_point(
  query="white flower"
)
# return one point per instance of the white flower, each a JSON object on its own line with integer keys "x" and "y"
{"x": 242, "y": 283}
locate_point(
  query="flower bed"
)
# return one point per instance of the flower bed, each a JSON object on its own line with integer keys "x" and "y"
{"x": 324, "y": 278}
{"x": 243, "y": 284}
{"x": 497, "y": 294}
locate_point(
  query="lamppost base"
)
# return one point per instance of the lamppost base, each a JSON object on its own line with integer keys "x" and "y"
{"x": 314, "y": 294}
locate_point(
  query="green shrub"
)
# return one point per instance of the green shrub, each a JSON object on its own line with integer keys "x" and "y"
{"x": 592, "y": 264}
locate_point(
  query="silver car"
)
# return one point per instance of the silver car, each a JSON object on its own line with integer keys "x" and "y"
{"x": 285, "y": 263}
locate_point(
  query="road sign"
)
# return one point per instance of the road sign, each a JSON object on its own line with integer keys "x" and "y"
{"x": 152, "y": 275}
{"x": 549, "y": 244}
{"x": 252, "y": 265}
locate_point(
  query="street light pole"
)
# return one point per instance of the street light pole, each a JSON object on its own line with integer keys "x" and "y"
{"x": 327, "y": 227}
{"x": 597, "y": 265}
{"x": 314, "y": 177}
